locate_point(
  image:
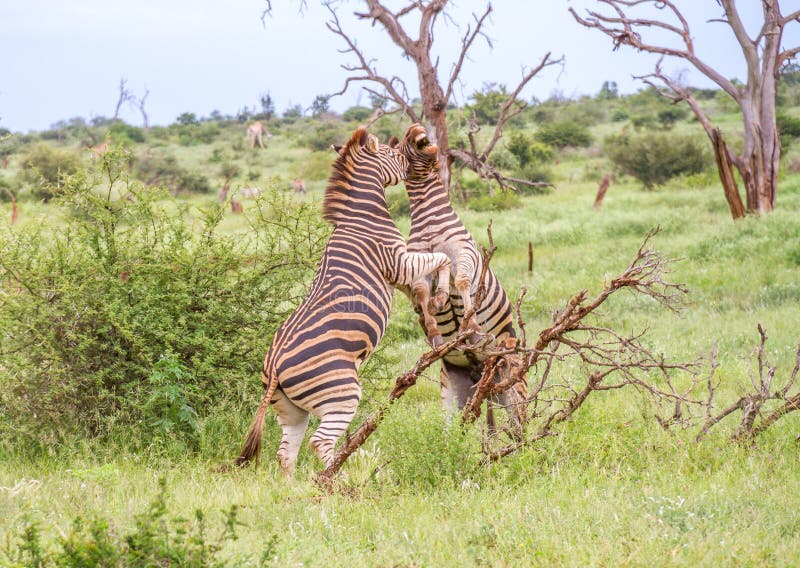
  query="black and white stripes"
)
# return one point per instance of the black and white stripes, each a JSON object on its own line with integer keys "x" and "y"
{"x": 312, "y": 364}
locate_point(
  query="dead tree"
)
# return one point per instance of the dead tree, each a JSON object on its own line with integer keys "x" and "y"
{"x": 125, "y": 96}
{"x": 764, "y": 56}
{"x": 601, "y": 192}
{"x": 412, "y": 29}
{"x": 140, "y": 103}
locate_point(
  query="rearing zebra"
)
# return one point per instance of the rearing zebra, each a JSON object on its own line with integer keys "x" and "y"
{"x": 436, "y": 227}
{"x": 312, "y": 364}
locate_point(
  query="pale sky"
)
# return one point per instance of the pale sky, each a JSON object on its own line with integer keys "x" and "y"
{"x": 64, "y": 59}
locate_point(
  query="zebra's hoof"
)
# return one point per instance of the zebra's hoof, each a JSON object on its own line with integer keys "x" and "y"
{"x": 438, "y": 302}
{"x": 479, "y": 340}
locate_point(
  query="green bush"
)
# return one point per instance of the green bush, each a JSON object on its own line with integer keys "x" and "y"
{"x": 323, "y": 134}
{"x": 667, "y": 117}
{"x": 43, "y": 168}
{"x": 125, "y": 297}
{"x": 653, "y": 158}
{"x": 122, "y": 133}
{"x": 620, "y": 115}
{"x": 529, "y": 151}
{"x": 398, "y": 203}
{"x": 161, "y": 168}
{"x": 191, "y": 134}
{"x": 316, "y": 167}
{"x": 564, "y": 133}
{"x": 789, "y": 128}
{"x": 484, "y": 195}
{"x": 157, "y": 539}
{"x": 356, "y": 114}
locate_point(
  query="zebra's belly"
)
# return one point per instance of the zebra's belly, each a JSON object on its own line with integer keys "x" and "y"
{"x": 493, "y": 320}
{"x": 316, "y": 353}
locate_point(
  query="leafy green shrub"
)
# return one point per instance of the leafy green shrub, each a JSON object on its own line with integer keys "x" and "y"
{"x": 482, "y": 195}
{"x": 529, "y": 151}
{"x": 126, "y": 278}
{"x": 620, "y": 115}
{"x": 398, "y": 203}
{"x": 315, "y": 167}
{"x": 356, "y": 114}
{"x": 167, "y": 395}
{"x": 121, "y": 133}
{"x": 654, "y": 158}
{"x": 564, "y": 133}
{"x": 486, "y": 105}
{"x": 156, "y": 540}
{"x": 186, "y": 118}
{"x": 667, "y": 117}
{"x": 323, "y": 134}
{"x": 789, "y": 128}
{"x": 161, "y": 168}
{"x": 191, "y": 134}
{"x": 44, "y": 167}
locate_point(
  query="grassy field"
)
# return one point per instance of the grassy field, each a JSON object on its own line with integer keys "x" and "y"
{"x": 611, "y": 489}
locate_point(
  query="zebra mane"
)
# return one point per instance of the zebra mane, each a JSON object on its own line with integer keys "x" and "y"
{"x": 336, "y": 192}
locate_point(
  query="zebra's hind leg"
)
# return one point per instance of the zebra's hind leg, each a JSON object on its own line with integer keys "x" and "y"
{"x": 334, "y": 420}
{"x": 294, "y": 422}
{"x": 457, "y": 387}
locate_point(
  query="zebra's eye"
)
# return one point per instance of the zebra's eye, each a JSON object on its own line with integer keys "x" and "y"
{"x": 422, "y": 143}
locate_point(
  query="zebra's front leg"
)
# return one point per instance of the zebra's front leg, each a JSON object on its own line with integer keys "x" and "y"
{"x": 466, "y": 274}
{"x": 442, "y": 294}
{"x": 414, "y": 270}
{"x": 421, "y": 298}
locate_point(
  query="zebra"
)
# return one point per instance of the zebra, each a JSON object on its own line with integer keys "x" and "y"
{"x": 435, "y": 227}
{"x": 311, "y": 366}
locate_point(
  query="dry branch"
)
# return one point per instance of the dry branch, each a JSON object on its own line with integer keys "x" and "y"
{"x": 751, "y": 405}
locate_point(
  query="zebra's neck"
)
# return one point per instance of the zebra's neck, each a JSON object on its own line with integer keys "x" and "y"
{"x": 428, "y": 198}
{"x": 359, "y": 205}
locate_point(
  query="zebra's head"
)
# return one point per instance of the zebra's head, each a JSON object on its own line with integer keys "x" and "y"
{"x": 422, "y": 156}
{"x": 364, "y": 148}
{"x": 363, "y": 168}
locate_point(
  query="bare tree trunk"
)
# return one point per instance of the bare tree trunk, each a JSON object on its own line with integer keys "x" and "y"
{"x": 601, "y": 191}
{"x": 142, "y": 101}
{"x": 725, "y": 169}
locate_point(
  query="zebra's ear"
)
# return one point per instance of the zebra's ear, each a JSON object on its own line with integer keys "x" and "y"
{"x": 337, "y": 148}
{"x": 394, "y": 142}
{"x": 372, "y": 143}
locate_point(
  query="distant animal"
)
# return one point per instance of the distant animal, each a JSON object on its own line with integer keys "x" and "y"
{"x": 250, "y": 192}
{"x": 255, "y": 132}
{"x": 312, "y": 365}
{"x": 435, "y": 227}
{"x": 99, "y": 149}
{"x": 299, "y": 185}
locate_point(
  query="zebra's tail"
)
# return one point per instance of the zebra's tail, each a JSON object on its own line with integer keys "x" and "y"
{"x": 252, "y": 444}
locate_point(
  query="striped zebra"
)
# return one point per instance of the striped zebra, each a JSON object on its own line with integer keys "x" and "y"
{"x": 435, "y": 227}
{"x": 311, "y": 366}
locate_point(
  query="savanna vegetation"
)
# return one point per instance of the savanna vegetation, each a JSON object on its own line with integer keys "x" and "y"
{"x": 136, "y": 306}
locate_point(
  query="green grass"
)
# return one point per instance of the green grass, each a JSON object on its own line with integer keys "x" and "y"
{"x": 612, "y": 489}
